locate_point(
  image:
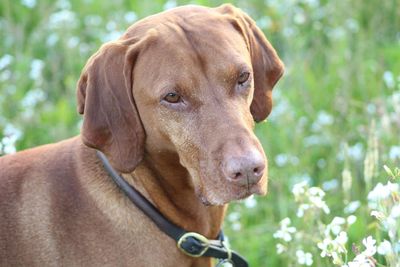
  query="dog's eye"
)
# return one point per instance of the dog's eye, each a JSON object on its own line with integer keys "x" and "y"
{"x": 243, "y": 77}
{"x": 172, "y": 98}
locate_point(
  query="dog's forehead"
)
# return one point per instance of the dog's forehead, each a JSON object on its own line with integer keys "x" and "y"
{"x": 189, "y": 13}
{"x": 204, "y": 28}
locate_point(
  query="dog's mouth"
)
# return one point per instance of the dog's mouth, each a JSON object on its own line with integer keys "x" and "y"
{"x": 230, "y": 193}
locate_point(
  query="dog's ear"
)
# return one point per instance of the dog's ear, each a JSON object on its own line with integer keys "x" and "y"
{"x": 267, "y": 67}
{"x": 111, "y": 122}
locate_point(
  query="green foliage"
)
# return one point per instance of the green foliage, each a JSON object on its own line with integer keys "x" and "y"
{"x": 342, "y": 85}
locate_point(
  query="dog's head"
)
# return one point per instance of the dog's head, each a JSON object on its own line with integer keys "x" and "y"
{"x": 190, "y": 81}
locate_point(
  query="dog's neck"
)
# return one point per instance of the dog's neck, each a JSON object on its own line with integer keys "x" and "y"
{"x": 168, "y": 185}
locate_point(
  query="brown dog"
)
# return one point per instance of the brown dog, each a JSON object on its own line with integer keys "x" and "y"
{"x": 172, "y": 104}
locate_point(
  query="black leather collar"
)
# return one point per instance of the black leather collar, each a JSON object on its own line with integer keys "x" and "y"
{"x": 190, "y": 243}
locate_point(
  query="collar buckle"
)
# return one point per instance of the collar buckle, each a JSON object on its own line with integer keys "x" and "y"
{"x": 193, "y": 244}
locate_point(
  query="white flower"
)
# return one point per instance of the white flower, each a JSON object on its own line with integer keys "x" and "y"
{"x": 234, "y": 216}
{"x": 301, "y": 209}
{"x": 11, "y": 136}
{"x": 390, "y": 224}
{"x": 351, "y": 219}
{"x": 336, "y": 259}
{"x": 395, "y": 213}
{"x": 393, "y": 187}
{"x": 325, "y": 208}
{"x": 324, "y": 118}
{"x": 280, "y": 248}
{"x": 37, "y": 66}
{"x": 378, "y": 214}
{"x": 388, "y": 78}
{"x": 319, "y": 203}
{"x": 370, "y": 248}
{"x": 378, "y": 192}
{"x": 236, "y": 226}
{"x": 31, "y": 98}
{"x": 61, "y": 18}
{"x": 285, "y": 232}
{"x": 325, "y": 247}
{"x": 384, "y": 247}
{"x": 5, "y": 61}
{"x": 396, "y": 247}
{"x": 394, "y": 152}
{"x": 281, "y": 159}
{"x": 304, "y": 258}
{"x": 356, "y": 152}
{"x": 335, "y": 225}
{"x": 333, "y": 248}
{"x": 130, "y": 17}
{"x": 299, "y": 16}
{"x": 342, "y": 238}
{"x": 352, "y": 207}
{"x": 309, "y": 198}
{"x": 299, "y": 189}
{"x": 250, "y": 202}
{"x": 352, "y": 25}
{"x": 381, "y": 192}
{"x": 330, "y": 185}
{"x": 361, "y": 260}
{"x": 29, "y": 3}
{"x": 339, "y": 244}
{"x": 316, "y": 191}
{"x": 169, "y": 4}
{"x": 314, "y": 140}
{"x": 234, "y": 219}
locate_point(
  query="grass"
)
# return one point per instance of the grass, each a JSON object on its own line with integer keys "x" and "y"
{"x": 341, "y": 88}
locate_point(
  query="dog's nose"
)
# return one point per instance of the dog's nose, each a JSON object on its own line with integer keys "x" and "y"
{"x": 245, "y": 170}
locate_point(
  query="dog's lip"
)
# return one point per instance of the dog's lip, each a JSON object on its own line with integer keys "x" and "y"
{"x": 237, "y": 192}
{"x": 250, "y": 190}
{"x": 246, "y": 191}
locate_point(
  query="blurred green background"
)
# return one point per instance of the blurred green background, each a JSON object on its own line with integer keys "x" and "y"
{"x": 341, "y": 88}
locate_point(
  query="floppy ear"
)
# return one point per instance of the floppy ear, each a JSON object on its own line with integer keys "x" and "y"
{"x": 267, "y": 67}
{"x": 111, "y": 122}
